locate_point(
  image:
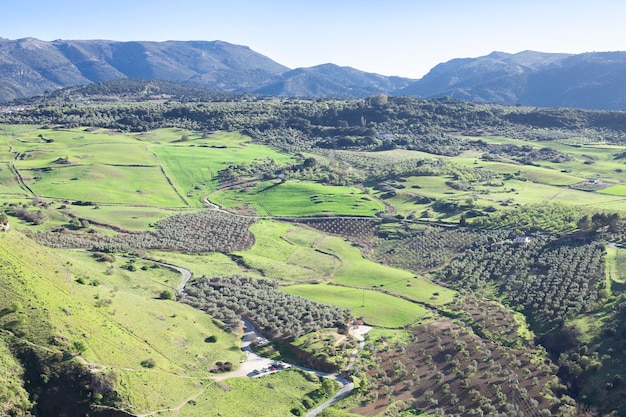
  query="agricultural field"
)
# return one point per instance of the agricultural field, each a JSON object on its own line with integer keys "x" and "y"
{"x": 442, "y": 368}
{"x": 490, "y": 267}
{"x": 356, "y": 271}
{"x": 277, "y": 394}
{"x": 106, "y": 184}
{"x": 305, "y": 199}
{"x": 376, "y": 308}
{"x": 194, "y": 164}
{"x": 616, "y": 264}
{"x": 286, "y": 252}
{"x": 122, "y": 216}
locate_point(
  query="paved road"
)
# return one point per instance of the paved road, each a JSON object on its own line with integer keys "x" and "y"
{"x": 255, "y": 362}
{"x": 252, "y": 361}
{"x": 347, "y": 386}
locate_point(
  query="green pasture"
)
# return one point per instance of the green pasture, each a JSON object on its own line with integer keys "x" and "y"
{"x": 205, "y": 264}
{"x": 271, "y": 395}
{"x": 124, "y": 165}
{"x": 42, "y": 146}
{"x": 114, "y": 313}
{"x": 9, "y": 131}
{"x": 536, "y": 174}
{"x": 376, "y": 308}
{"x": 198, "y": 161}
{"x": 297, "y": 198}
{"x": 431, "y": 186}
{"x": 356, "y": 271}
{"x": 615, "y": 264}
{"x": 526, "y": 192}
{"x": 126, "y": 152}
{"x": 284, "y": 251}
{"x": 138, "y": 325}
{"x": 107, "y": 184}
{"x": 618, "y": 190}
{"x": 158, "y": 390}
{"x": 591, "y": 159}
{"x": 125, "y": 217}
{"x": 189, "y": 168}
{"x": 8, "y": 182}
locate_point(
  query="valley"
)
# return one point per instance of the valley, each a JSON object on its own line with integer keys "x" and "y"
{"x": 483, "y": 245}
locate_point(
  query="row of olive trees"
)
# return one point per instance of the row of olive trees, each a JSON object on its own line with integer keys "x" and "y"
{"x": 552, "y": 279}
{"x": 208, "y": 231}
{"x": 279, "y": 314}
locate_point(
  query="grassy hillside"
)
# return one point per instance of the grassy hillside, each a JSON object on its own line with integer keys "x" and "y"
{"x": 112, "y": 317}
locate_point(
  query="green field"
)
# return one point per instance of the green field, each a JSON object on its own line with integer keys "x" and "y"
{"x": 8, "y": 181}
{"x": 151, "y": 169}
{"x": 376, "y": 308}
{"x": 288, "y": 252}
{"x": 205, "y": 264}
{"x": 618, "y": 190}
{"x": 125, "y": 217}
{"x": 356, "y": 271}
{"x": 616, "y": 264}
{"x": 271, "y": 395}
{"x": 105, "y": 183}
{"x": 296, "y": 198}
{"x": 193, "y": 165}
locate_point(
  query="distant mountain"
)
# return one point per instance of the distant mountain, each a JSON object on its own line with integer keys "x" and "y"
{"x": 592, "y": 80}
{"x": 330, "y": 80}
{"x": 30, "y": 67}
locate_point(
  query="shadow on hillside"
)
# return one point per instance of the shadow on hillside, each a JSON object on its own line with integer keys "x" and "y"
{"x": 618, "y": 287}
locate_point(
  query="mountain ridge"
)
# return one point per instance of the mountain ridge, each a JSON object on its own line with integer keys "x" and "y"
{"x": 592, "y": 80}
{"x": 30, "y": 66}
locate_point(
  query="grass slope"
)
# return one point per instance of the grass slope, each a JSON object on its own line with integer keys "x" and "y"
{"x": 304, "y": 199}
{"x": 115, "y": 316}
{"x": 360, "y": 272}
{"x": 279, "y": 252}
{"x": 193, "y": 165}
{"x": 376, "y": 308}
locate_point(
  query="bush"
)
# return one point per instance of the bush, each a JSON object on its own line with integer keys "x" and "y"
{"x": 211, "y": 339}
{"x": 166, "y": 295}
{"x": 80, "y": 346}
{"x": 103, "y": 257}
{"x": 148, "y": 363}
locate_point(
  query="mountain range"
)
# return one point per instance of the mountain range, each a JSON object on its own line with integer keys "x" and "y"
{"x": 594, "y": 80}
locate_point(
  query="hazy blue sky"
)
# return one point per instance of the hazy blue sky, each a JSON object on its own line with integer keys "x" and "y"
{"x": 390, "y": 37}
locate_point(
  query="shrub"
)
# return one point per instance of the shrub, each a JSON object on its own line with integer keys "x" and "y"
{"x": 148, "y": 363}
{"x": 166, "y": 295}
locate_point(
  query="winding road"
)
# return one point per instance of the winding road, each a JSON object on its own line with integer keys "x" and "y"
{"x": 255, "y": 362}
